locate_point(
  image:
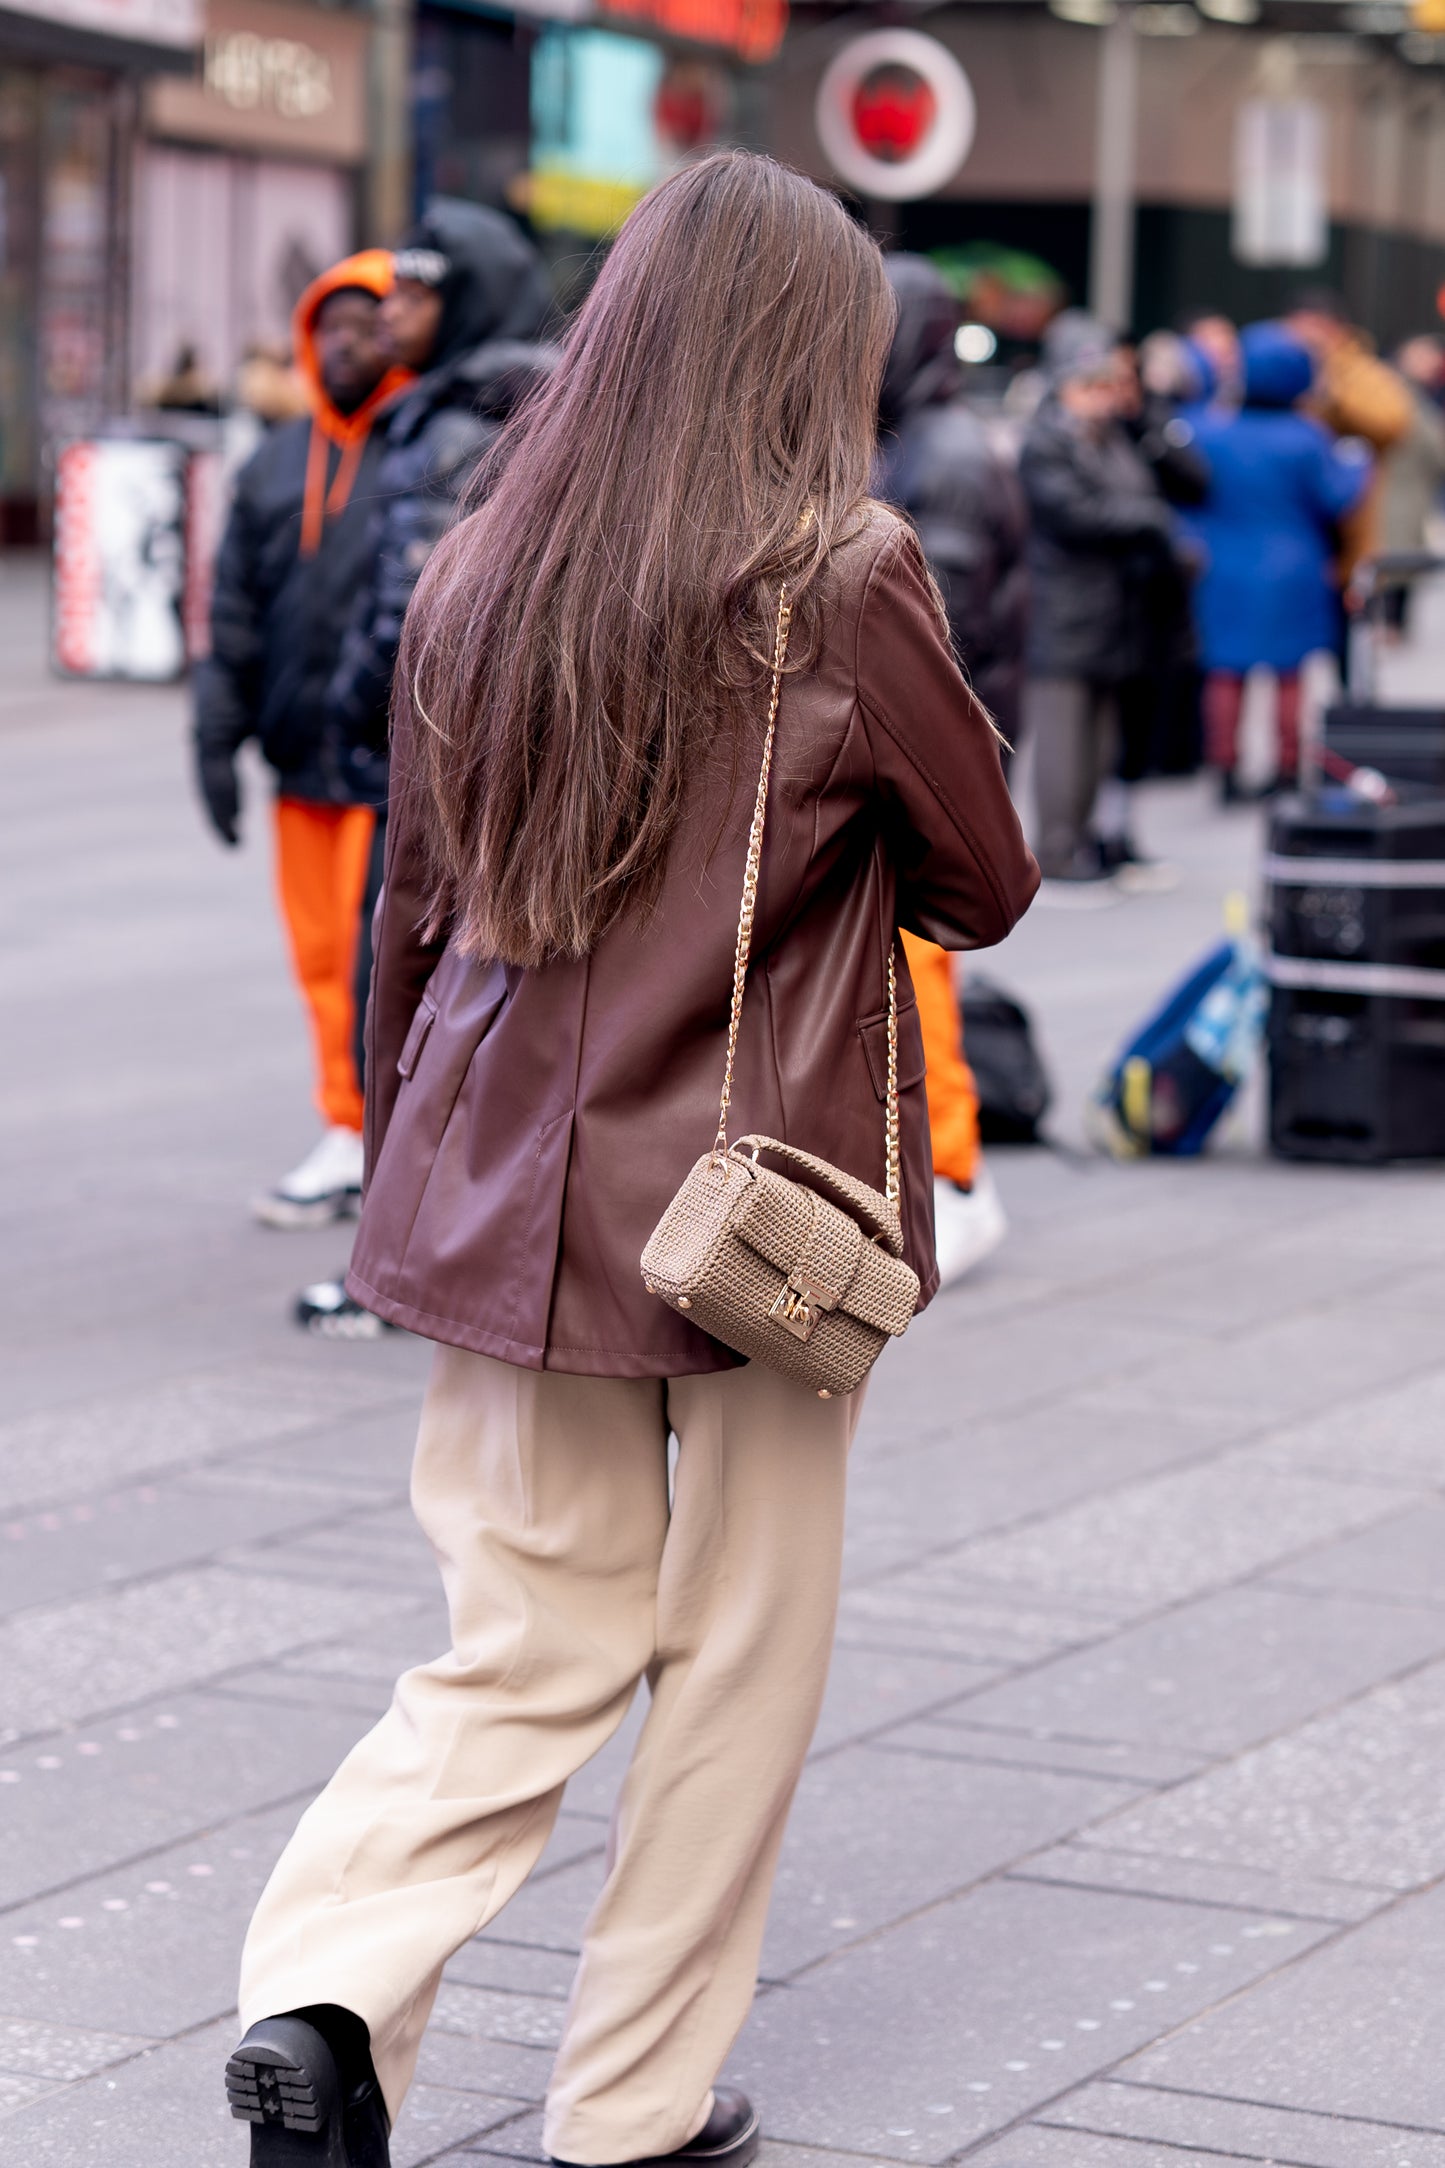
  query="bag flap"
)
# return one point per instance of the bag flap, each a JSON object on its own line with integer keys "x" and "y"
{"x": 796, "y": 1230}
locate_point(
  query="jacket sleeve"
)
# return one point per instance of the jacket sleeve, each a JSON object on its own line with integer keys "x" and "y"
{"x": 402, "y": 961}
{"x": 965, "y": 874}
{"x": 1065, "y": 504}
{"x": 227, "y": 684}
{"x": 1361, "y": 396}
{"x": 408, "y": 529}
{"x": 1341, "y": 477}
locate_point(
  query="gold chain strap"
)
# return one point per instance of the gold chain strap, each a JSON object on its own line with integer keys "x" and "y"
{"x": 741, "y": 954}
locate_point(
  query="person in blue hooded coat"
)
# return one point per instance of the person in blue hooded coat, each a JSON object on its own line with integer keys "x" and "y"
{"x": 1268, "y": 531}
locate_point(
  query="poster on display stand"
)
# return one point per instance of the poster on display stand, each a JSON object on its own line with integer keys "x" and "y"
{"x": 119, "y": 565}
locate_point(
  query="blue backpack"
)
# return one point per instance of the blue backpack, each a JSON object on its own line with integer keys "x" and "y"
{"x": 1179, "y": 1072}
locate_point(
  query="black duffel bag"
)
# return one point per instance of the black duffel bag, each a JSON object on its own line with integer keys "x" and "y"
{"x": 1014, "y": 1093}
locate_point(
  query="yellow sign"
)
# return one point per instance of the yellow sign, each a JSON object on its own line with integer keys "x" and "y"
{"x": 562, "y": 202}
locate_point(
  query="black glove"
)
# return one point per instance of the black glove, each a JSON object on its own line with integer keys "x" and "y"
{"x": 221, "y": 789}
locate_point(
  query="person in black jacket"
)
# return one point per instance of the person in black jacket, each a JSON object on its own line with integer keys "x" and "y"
{"x": 936, "y": 463}
{"x": 295, "y": 546}
{"x": 1100, "y": 533}
{"x": 469, "y": 300}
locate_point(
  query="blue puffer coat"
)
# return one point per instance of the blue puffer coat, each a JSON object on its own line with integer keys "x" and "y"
{"x": 1280, "y": 485}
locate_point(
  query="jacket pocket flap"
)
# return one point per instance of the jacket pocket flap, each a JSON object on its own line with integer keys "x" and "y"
{"x": 421, "y": 1024}
{"x": 873, "y": 1031}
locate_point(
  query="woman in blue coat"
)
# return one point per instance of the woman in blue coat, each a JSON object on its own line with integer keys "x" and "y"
{"x": 1266, "y": 595}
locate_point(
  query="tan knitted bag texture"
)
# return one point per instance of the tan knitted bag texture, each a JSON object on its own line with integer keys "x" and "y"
{"x": 801, "y": 1270}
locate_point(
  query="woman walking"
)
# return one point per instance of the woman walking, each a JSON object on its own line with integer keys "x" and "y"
{"x": 1269, "y": 531}
{"x": 582, "y": 697}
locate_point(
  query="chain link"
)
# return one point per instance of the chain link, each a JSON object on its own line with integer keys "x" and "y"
{"x": 750, "y": 872}
{"x": 892, "y": 1173}
{"x": 892, "y": 1187}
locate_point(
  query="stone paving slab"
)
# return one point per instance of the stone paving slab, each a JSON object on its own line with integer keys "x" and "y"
{"x": 75, "y": 1806}
{"x": 1355, "y": 2032}
{"x": 1354, "y": 1797}
{"x": 151, "y": 1947}
{"x": 1401, "y": 1561}
{"x": 947, "y": 1825}
{"x": 68, "y": 1451}
{"x": 1092, "y": 1865}
{"x": 870, "y": 1690}
{"x": 460, "y": 2060}
{"x": 1295, "y": 1368}
{"x": 946, "y": 1734}
{"x": 1176, "y": 1535}
{"x": 1243, "y": 2128}
{"x": 62, "y": 1663}
{"x": 1228, "y": 1669}
{"x": 1395, "y": 1436}
{"x": 939, "y": 1609}
{"x": 50, "y": 1556}
{"x": 965, "y": 2030}
{"x": 910, "y": 1495}
{"x": 1034, "y": 2147}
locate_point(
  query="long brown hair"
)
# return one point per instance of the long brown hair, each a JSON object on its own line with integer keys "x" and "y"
{"x": 585, "y": 638}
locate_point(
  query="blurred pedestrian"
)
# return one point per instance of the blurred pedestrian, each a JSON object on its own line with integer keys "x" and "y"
{"x": 936, "y": 463}
{"x": 1159, "y": 709}
{"x": 1354, "y": 394}
{"x": 1280, "y": 486}
{"x": 1213, "y": 340}
{"x": 580, "y": 722}
{"x": 186, "y": 387}
{"x": 295, "y": 547}
{"x": 1415, "y": 474}
{"x": 469, "y": 298}
{"x": 1100, "y": 533}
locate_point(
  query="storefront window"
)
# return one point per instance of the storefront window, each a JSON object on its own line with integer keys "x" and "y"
{"x": 76, "y": 298}
{"x": 19, "y": 188}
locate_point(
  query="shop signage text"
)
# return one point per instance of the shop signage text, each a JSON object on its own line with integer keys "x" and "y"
{"x": 273, "y": 77}
{"x": 283, "y": 74}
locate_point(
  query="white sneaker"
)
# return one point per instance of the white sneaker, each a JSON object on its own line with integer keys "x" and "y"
{"x": 968, "y": 1224}
{"x": 325, "y": 1187}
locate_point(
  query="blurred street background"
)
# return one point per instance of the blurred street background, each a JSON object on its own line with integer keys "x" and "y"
{"x": 1123, "y": 1838}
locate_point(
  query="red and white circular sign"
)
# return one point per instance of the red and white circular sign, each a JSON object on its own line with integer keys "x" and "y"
{"x": 895, "y": 114}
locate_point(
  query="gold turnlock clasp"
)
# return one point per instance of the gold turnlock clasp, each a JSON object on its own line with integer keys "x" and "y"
{"x": 801, "y": 1301}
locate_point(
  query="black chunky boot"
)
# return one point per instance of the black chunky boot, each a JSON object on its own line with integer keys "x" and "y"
{"x": 306, "y": 2085}
{"x": 728, "y": 2139}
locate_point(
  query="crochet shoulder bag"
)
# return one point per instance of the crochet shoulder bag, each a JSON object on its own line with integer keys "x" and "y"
{"x": 798, "y": 1266}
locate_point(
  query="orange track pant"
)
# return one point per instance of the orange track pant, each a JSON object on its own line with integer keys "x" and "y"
{"x": 321, "y": 859}
{"x": 952, "y": 1094}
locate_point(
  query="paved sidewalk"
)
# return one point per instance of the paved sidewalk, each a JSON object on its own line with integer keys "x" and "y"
{"x": 1121, "y": 1843}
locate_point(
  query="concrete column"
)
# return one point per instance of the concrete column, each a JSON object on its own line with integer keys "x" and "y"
{"x": 389, "y": 164}
{"x": 1111, "y": 241}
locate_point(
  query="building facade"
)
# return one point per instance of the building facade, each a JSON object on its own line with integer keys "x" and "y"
{"x": 248, "y": 182}
{"x": 1027, "y": 185}
{"x": 72, "y": 75}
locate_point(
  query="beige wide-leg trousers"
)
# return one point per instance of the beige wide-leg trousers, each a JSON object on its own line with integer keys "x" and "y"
{"x": 570, "y": 1575}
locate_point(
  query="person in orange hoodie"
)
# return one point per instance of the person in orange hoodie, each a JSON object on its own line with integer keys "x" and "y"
{"x": 296, "y": 548}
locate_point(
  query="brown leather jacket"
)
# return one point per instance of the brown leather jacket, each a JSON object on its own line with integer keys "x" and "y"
{"x": 525, "y": 1129}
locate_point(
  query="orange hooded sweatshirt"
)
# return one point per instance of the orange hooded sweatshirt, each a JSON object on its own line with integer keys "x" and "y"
{"x": 371, "y": 271}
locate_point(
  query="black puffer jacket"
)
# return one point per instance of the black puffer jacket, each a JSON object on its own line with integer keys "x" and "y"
{"x": 496, "y": 301}
{"x": 278, "y": 619}
{"x": 935, "y": 462}
{"x": 1100, "y": 535}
